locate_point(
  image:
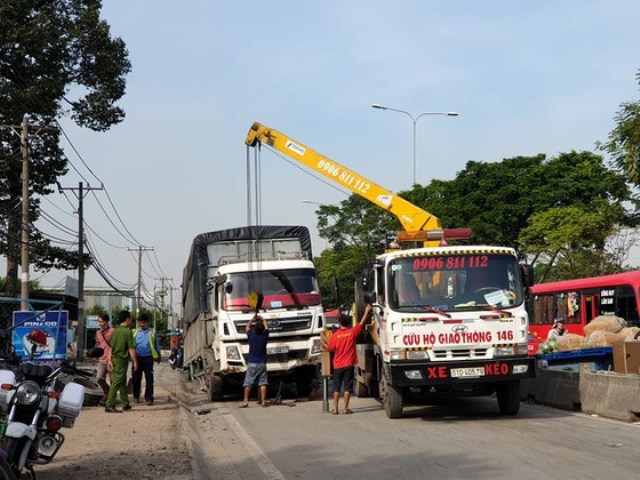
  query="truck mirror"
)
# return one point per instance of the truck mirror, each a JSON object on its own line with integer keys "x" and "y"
{"x": 527, "y": 275}
{"x": 370, "y": 297}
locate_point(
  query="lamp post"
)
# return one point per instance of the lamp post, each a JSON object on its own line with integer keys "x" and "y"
{"x": 414, "y": 120}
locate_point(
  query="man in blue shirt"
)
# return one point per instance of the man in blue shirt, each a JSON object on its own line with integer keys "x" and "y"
{"x": 258, "y": 335}
{"x": 147, "y": 351}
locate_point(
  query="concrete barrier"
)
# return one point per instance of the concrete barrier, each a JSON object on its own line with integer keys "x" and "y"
{"x": 556, "y": 388}
{"x": 610, "y": 395}
{"x": 596, "y": 392}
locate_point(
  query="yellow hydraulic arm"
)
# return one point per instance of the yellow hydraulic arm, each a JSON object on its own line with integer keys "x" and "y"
{"x": 412, "y": 218}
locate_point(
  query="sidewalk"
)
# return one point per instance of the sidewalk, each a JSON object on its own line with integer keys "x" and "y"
{"x": 147, "y": 442}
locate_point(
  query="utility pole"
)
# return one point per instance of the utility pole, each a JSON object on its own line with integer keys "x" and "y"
{"x": 24, "y": 263}
{"x": 81, "y": 192}
{"x": 162, "y": 294}
{"x": 23, "y": 132}
{"x": 140, "y": 249}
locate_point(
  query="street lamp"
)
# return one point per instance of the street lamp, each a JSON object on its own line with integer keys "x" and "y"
{"x": 414, "y": 120}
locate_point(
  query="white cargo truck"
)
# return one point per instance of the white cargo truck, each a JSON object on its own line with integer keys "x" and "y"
{"x": 223, "y": 268}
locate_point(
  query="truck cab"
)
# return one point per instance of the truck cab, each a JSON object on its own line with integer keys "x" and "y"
{"x": 449, "y": 321}
{"x": 223, "y": 269}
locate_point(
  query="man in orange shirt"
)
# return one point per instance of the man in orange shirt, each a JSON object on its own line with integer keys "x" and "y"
{"x": 343, "y": 344}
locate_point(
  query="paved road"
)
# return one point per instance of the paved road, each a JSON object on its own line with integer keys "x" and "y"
{"x": 461, "y": 439}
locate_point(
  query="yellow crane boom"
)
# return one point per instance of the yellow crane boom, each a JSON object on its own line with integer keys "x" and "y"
{"x": 411, "y": 217}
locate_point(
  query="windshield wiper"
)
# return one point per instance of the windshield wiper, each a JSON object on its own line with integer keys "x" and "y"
{"x": 494, "y": 309}
{"x": 428, "y": 308}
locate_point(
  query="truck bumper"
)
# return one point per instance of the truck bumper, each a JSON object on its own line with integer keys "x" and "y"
{"x": 419, "y": 374}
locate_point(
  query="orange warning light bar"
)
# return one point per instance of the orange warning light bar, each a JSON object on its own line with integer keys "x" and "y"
{"x": 430, "y": 235}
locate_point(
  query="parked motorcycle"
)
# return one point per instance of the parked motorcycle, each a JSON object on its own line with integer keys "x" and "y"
{"x": 34, "y": 412}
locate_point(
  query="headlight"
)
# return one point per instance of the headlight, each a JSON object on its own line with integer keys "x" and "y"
{"x": 28, "y": 393}
{"x": 316, "y": 347}
{"x": 233, "y": 354}
{"x": 504, "y": 351}
{"x": 416, "y": 355}
{"x": 398, "y": 355}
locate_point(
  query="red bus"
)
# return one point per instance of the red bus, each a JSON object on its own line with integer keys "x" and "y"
{"x": 580, "y": 301}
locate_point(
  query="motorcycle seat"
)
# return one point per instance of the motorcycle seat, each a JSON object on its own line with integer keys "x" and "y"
{"x": 33, "y": 370}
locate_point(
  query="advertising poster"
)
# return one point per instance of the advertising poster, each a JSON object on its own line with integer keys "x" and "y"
{"x": 45, "y": 332}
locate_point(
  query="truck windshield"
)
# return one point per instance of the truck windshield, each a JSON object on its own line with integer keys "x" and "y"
{"x": 454, "y": 282}
{"x": 292, "y": 288}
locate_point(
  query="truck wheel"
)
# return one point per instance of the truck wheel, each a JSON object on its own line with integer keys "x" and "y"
{"x": 391, "y": 399}
{"x": 216, "y": 388}
{"x": 508, "y": 394}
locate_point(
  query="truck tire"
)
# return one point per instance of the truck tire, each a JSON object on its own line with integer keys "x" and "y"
{"x": 508, "y": 394}
{"x": 92, "y": 391}
{"x": 391, "y": 399}
{"x": 216, "y": 388}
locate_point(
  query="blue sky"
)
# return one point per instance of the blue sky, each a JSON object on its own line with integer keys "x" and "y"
{"x": 526, "y": 77}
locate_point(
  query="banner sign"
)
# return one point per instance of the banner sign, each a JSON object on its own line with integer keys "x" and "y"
{"x": 44, "y": 332}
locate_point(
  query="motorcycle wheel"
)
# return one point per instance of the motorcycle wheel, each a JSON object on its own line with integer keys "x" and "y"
{"x": 6, "y": 472}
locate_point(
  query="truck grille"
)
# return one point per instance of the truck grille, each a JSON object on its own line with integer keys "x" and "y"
{"x": 460, "y": 354}
{"x": 281, "y": 324}
{"x": 282, "y": 357}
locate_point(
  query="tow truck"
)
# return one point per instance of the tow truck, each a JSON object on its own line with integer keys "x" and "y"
{"x": 449, "y": 320}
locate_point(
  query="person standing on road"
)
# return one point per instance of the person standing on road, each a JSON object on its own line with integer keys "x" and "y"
{"x": 103, "y": 334}
{"x": 123, "y": 348}
{"x": 258, "y": 334}
{"x": 343, "y": 344}
{"x": 147, "y": 351}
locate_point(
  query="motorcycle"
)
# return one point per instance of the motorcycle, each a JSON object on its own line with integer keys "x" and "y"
{"x": 34, "y": 412}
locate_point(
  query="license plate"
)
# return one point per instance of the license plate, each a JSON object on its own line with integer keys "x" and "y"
{"x": 276, "y": 350}
{"x": 467, "y": 372}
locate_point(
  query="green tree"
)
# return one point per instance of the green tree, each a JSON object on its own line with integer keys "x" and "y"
{"x": 95, "y": 310}
{"x": 356, "y": 222}
{"x": 357, "y": 230}
{"x": 570, "y": 239}
{"x": 624, "y": 140}
{"x": 56, "y": 58}
{"x": 497, "y": 199}
{"x": 344, "y": 265}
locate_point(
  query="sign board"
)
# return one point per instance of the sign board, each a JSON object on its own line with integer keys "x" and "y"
{"x": 91, "y": 322}
{"x": 46, "y": 331}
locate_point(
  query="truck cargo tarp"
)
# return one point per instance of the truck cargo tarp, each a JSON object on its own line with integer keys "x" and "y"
{"x": 195, "y": 298}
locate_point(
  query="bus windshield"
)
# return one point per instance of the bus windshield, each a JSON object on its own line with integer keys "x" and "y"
{"x": 454, "y": 282}
{"x": 279, "y": 288}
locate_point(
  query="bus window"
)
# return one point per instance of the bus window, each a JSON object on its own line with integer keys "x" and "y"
{"x": 626, "y": 306}
{"x": 548, "y": 307}
{"x": 591, "y": 306}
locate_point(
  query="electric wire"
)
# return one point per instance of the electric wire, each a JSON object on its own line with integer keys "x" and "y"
{"x": 311, "y": 174}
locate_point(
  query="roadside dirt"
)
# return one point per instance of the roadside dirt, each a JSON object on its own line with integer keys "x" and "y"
{"x": 145, "y": 443}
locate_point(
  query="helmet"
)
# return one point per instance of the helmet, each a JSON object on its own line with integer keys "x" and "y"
{"x": 558, "y": 320}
